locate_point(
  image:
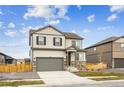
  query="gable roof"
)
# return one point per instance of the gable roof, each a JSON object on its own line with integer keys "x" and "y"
{"x": 7, "y": 57}
{"x": 69, "y": 35}
{"x": 108, "y": 40}
{"x": 34, "y": 31}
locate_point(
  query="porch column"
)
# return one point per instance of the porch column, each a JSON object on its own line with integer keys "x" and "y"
{"x": 75, "y": 58}
{"x": 67, "y": 59}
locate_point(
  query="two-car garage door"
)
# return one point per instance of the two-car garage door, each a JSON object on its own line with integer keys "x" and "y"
{"x": 49, "y": 64}
{"x": 119, "y": 62}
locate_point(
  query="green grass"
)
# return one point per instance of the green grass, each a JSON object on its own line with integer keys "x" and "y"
{"x": 119, "y": 76}
{"x": 19, "y": 83}
{"x": 108, "y": 78}
{"x": 90, "y": 74}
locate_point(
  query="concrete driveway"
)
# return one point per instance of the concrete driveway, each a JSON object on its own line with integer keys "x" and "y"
{"x": 19, "y": 75}
{"x": 54, "y": 78}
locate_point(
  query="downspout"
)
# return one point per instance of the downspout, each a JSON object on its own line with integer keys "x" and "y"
{"x": 112, "y": 59}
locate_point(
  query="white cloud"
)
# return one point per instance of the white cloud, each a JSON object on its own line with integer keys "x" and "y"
{"x": 86, "y": 30}
{"x": 113, "y": 17}
{"x": 39, "y": 11}
{"x": 47, "y": 12}
{"x": 91, "y": 18}
{"x": 62, "y": 10}
{"x": 10, "y": 33}
{"x": 22, "y": 24}
{"x": 73, "y": 31}
{"x": 117, "y": 8}
{"x": 25, "y": 30}
{"x": 104, "y": 28}
{"x": 11, "y": 25}
{"x": 53, "y": 22}
{"x": 79, "y": 7}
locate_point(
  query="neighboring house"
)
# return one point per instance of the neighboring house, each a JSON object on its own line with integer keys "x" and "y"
{"x": 23, "y": 61}
{"x": 20, "y": 61}
{"x": 109, "y": 51}
{"x": 52, "y": 49}
{"x": 5, "y": 59}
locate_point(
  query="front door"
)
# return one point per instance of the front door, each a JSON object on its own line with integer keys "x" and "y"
{"x": 69, "y": 58}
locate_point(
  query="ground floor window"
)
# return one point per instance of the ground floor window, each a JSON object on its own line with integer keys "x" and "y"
{"x": 77, "y": 56}
{"x": 80, "y": 56}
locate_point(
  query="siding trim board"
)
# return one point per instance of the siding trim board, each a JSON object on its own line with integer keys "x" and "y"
{"x": 47, "y": 34}
{"x": 48, "y": 49}
{"x": 98, "y": 53}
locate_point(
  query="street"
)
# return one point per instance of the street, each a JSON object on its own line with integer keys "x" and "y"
{"x": 99, "y": 84}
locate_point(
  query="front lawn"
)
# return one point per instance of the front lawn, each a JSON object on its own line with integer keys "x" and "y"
{"x": 90, "y": 74}
{"x": 19, "y": 83}
{"x": 108, "y": 78}
{"x": 118, "y": 76}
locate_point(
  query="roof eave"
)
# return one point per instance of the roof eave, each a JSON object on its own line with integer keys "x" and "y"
{"x": 98, "y": 45}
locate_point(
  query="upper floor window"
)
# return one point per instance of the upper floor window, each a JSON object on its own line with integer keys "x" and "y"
{"x": 76, "y": 44}
{"x": 57, "y": 41}
{"x": 122, "y": 45}
{"x": 41, "y": 40}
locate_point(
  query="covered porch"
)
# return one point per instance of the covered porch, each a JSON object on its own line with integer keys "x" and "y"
{"x": 74, "y": 56}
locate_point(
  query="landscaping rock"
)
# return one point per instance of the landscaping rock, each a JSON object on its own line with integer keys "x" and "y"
{"x": 72, "y": 69}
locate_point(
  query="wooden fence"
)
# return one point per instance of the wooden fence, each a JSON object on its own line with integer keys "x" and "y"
{"x": 15, "y": 68}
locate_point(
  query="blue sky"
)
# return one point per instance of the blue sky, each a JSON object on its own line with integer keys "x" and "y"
{"x": 94, "y": 23}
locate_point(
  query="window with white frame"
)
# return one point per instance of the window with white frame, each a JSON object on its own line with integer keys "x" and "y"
{"x": 41, "y": 40}
{"x": 77, "y": 56}
{"x": 80, "y": 56}
{"x": 57, "y": 41}
{"x": 76, "y": 44}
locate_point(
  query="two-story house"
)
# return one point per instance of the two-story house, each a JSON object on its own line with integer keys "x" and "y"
{"x": 52, "y": 50}
{"x": 109, "y": 51}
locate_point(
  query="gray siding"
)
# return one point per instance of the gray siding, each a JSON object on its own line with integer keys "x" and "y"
{"x": 92, "y": 58}
{"x": 106, "y": 58}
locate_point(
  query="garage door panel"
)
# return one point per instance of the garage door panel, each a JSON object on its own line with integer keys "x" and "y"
{"x": 49, "y": 64}
{"x": 119, "y": 62}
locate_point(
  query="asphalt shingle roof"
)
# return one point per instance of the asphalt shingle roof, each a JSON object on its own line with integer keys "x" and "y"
{"x": 70, "y": 35}
{"x": 110, "y": 39}
{"x": 7, "y": 57}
